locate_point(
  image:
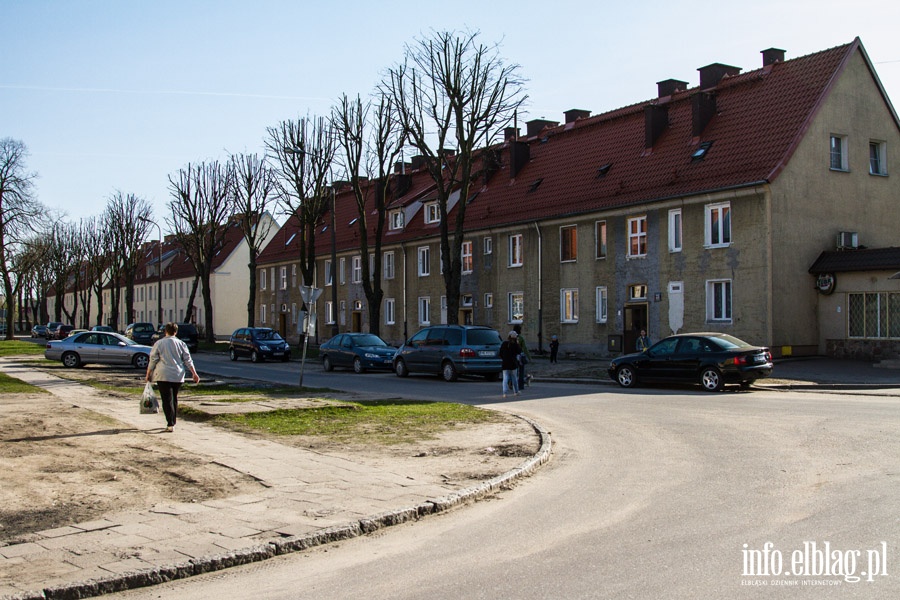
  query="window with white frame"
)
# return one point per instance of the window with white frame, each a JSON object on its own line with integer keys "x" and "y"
{"x": 390, "y": 311}
{"x": 284, "y": 280}
{"x": 838, "y": 153}
{"x": 675, "y": 230}
{"x": 329, "y": 276}
{"x": 356, "y": 269}
{"x": 877, "y": 158}
{"x": 389, "y": 265}
{"x": 432, "y": 213}
{"x": 600, "y": 239}
{"x": 515, "y": 250}
{"x": 467, "y": 263}
{"x": 568, "y": 305}
{"x": 637, "y": 236}
{"x": 271, "y": 280}
{"x": 488, "y": 245}
{"x": 718, "y": 225}
{"x": 262, "y": 313}
{"x": 718, "y": 301}
{"x": 262, "y": 279}
{"x": 424, "y": 261}
{"x": 294, "y": 276}
{"x": 342, "y": 274}
{"x": 294, "y": 313}
{"x": 489, "y": 300}
{"x": 329, "y": 312}
{"x": 424, "y": 310}
{"x": 396, "y": 219}
{"x": 516, "y": 307}
{"x": 602, "y": 300}
{"x": 568, "y": 243}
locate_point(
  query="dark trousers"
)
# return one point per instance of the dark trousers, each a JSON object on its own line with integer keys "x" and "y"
{"x": 168, "y": 390}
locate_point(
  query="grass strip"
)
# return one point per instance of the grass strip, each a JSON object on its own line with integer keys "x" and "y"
{"x": 18, "y": 348}
{"x": 11, "y": 385}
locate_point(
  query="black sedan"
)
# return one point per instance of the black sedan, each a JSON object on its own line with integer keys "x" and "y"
{"x": 710, "y": 359}
{"x": 360, "y": 351}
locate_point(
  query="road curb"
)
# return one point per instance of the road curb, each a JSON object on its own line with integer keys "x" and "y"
{"x": 208, "y": 564}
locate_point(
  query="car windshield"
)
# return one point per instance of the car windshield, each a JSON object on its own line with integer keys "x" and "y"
{"x": 368, "y": 340}
{"x": 268, "y": 335}
{"x": 728, "y": 342}
{"x": 143, "y": 328}
{"x": 483, "y": 337}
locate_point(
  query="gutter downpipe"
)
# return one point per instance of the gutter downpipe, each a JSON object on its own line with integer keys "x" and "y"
{"x": 540, "y": 334}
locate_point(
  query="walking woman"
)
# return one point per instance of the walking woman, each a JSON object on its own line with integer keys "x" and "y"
{"x": 170, "y": 360}
{"x": 509, "y": 352}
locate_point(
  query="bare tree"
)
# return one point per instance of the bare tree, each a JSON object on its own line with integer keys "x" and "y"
{"x": 201, "y": 206}
{"x": 128, "y": 218}
{"x": 19, "y": 216}
{"x": 63, "y": 257}
{"x": 253, "y": 192}
{"x": 97, "y": 236}
{"x": 370, "y": 139}
{"x": 452, "y": 90}
{"x": 303, "y": 152}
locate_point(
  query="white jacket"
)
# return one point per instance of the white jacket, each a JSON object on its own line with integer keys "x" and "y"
{"x": 170, "y": 360}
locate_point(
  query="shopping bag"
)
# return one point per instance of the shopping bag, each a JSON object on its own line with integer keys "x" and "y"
{"x": 149, "y": 403}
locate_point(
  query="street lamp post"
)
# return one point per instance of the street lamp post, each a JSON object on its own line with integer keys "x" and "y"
{"x": 159, "y": 269}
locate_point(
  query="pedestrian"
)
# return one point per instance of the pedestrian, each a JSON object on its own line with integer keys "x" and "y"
{"x": 554, "y": 348}
{"x": 643, "y": 342}
{"x": 509, "y": 357}
{"x": 170, "y": 360}
{"x": 524, "y": 356}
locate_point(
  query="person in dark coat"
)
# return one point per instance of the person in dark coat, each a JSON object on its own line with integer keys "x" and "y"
{"x": 554, "y": 348}
{"x": 509, "y": 355}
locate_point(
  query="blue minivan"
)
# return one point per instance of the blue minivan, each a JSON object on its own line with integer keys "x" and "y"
{"x": 450, "y": 351}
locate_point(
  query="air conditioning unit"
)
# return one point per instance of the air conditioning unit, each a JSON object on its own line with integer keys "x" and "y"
{"x": 847, "y": 240}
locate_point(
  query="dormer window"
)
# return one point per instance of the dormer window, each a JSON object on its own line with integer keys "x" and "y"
{"x": 396, "y": 219}
{"x": 432, "y": 213}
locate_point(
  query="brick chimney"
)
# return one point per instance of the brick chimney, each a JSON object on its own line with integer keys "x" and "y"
{"x": 575, "y": 114}
{"x": 656, "y": 119}
{"x": 703, "y": 109}
{"x": 711, "y": 75}
{"x": 670, "y": 86}
{"x": 510, "y": 134}
{"x": 536, "y": 126}
{"x": 772, "y": 56}
{"x": 417, "y": 162}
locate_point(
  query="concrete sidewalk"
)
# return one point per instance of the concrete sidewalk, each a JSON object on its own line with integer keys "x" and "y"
{"x": 309, "y": 499}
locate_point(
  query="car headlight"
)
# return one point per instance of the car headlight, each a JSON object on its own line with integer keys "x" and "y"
{"x": 264, "y": 347}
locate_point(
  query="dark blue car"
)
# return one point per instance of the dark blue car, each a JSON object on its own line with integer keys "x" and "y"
{"x": 359, "y": 351}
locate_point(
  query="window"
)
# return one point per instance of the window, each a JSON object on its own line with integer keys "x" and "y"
{"x": 637, "y": 237}
{"x": 602, "y": 304}
{"x": 262, "y": 313}
{"x": 568, "y": 243}
{"x": 489, "y": 300}
{"x": 874, "y": 315}
{"x": 294, "y": 312}
{"x": 718, "y": 301}
{"x": 343, "y": 272}
{"x": 467, "y": 266}
{"x": 293, "y": 276}
{"x": 262, "y": 279}
{"x": 329, "y": 312}
{"x": 839, "y": 160}
{"x": 600, "y": 239}
{"x": 271, "y": 279}
{"x": 488, "y": 245}
{"x": 516, "y": 307}
{"x": 284, "y": 278}
{"x": 389, "y": 265}
{"x": 424, "y": 261}
{"x": 390, "y": 311}
{"x": 329, "y": 276}
{"x": 356, "y": 269}
{"x": 396, "y": 219}
{"x": 424, "y": 310}
{"x": 718, "y": 225}
{"x": 515, "y": 250}
{"x": 637, "y": 292}
{"x": 432, "y": 213}
{"x": 675, "y": 230}
{"x": 568, "y": 306}
{"x": 877, "y": 159}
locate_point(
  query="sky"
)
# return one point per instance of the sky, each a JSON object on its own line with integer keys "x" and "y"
{"x": 115, "y": 95}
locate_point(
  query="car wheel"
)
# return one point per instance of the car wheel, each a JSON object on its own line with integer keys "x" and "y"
{"x": 358, "y": 366}
{"x": 711, "y": 379}
{"x": 400, "y": 369}
{"x": 626, "y": 377}
{"x": 255, "y": 357}
{"x": 232, "y": 354}
{"x": 141, "y": 361}
{"x": 448, "y": 371}
{"x": 71, "y": 360}
{"x": 326, "y": 364}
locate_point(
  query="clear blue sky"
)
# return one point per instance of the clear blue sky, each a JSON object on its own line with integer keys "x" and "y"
{"x": 117, "y": 95}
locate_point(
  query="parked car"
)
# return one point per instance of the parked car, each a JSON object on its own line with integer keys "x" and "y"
{"x": 359, "y": 351}
{"x": 142, "y": 333}
{"x": 98, "y": 347}
{"x": 710, "y": 359}
{"x": 63, "y": 331}
{"x": 106, "y": 328}
{"x": 187, "y": 333}
{"x": 75, "y": 332}
{"x": 450, "y": 351}
{"x": 39, "y": 331}
{"x": 259, "y": 343}
{"x": 52, "y": 326}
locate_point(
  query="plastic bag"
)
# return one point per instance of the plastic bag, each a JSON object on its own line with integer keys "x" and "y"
{"x": 149, "y": 403}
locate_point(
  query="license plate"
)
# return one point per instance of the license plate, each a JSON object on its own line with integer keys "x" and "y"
{"x": 759, "y": 358}
{"x": 278, "y": 354}
{"x": 486, "y": 353}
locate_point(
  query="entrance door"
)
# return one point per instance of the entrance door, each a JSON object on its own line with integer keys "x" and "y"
{"x": 282, "y": 325}
{"x": 635, "y": 320}
{"x": 356, "y": 324}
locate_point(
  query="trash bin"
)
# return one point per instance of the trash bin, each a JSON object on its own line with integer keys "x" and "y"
{"x": 614, "y": 343}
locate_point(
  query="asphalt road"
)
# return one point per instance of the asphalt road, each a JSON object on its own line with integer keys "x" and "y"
{"x": 652, "y": 493}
